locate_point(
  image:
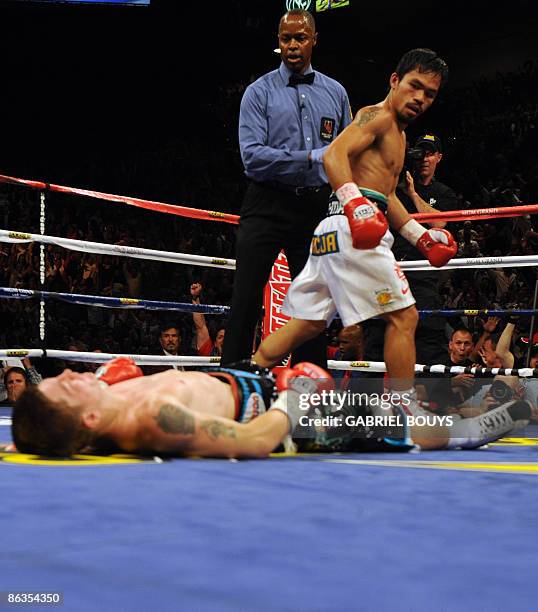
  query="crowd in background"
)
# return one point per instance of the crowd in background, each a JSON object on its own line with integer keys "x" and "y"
{"x": 489, "y": 131}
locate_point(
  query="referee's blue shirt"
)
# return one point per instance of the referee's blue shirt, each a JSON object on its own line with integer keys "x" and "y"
{"x": 279, "y": 125}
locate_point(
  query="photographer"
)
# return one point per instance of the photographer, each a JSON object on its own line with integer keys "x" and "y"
{"x": 421, "y": 192}
{"x": 502, "y": 391}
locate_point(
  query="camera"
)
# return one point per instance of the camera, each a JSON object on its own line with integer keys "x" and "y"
{"x": 501, "y": 392}
{"x": 414, "y": 156}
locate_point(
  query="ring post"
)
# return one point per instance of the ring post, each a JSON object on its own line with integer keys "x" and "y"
{"x": 42, "y": 268}
{"x": 533, "y": 319}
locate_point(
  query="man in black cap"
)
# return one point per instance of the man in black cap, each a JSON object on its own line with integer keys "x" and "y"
{"x": 420, "y": 192}
{"x": 432, "y": 192}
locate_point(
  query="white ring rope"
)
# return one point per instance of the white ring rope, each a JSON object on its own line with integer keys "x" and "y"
{"x": 116, "y": 249}
{"x": 379, "y": 366}
{"x": 476, "y": 262}
{"x": 90, "y": 357}
{"x": 187, "y": 360}
{"x": 229, "y": 264}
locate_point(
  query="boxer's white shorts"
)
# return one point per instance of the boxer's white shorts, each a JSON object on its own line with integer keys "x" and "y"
{"x": 358, "y": 284}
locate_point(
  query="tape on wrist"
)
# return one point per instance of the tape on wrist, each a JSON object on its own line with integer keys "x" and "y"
{"x": 412, "y": 231}
{"x": 347, "y": 192}
{"x": 288, "y": 403}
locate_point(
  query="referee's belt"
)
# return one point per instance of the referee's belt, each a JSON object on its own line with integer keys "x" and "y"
{"x": 292, "y": 189}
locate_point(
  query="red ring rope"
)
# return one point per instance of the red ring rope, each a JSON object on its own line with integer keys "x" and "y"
{"x": 211, "y": 215}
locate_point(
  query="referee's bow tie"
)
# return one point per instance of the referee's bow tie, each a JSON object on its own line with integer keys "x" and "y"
{"x": 301, "y": 79}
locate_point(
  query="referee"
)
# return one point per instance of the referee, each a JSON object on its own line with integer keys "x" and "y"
{"x": 287, "y": 119}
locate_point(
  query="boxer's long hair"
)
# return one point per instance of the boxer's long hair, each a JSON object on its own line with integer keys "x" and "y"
{"x": 41, "y": 426}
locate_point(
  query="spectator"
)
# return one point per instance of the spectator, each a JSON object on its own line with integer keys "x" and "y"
{"x": 30, "y": 374}
{"x": 133, "y": 277}
{"x": 15, "y": 382}
{"x": 350, "y": 344}
{"x": 489, "y": 327}
{"x": 421, "y": 191}
{"x": 350, "y": 348}
{"x": 467, "y": 245}
{"x": 170, "y": 345}
{"x": 504, "y": 279}
{"x": 207, "y": 344}
{"x": 472, "y": 233}
{"x": 450, "y": 390}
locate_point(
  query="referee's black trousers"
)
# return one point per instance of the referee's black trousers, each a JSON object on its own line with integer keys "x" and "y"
{"x": 271, "y": 220}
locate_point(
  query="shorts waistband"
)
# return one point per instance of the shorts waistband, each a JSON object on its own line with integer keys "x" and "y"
{"x": 374, "y": 195}
{"x": 244, "y": 385}
{"x": 335, "y": 208}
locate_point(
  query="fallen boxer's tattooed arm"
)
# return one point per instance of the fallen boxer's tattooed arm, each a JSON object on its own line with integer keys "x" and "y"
{"x": 174, "y": 429}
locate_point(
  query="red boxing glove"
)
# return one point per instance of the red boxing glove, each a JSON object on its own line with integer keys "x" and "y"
{"x": 304, "y": 378}
{"x": 367, "y": 223}
{"x": 437, "y": 245}
{"x": 121, "y": 368}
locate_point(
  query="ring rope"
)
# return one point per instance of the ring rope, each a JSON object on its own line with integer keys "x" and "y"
{"x": 187, "y": 360}
{"x": 229, "y": 264}
{"x": 473, "y": 313}
{"x": 182, "y": 211}
{"x": 7, "y": 236}
{"x": 476, "y": 262}
{"x": 89, "y": 357}
{"x": 379, "y": 366}
{"x": 210, "y": 215}
{"x": 117, "y": 249}
{"x": 112, "y": 302}
{"x": 475, "y": 214}
{"x": 135, "y": 303}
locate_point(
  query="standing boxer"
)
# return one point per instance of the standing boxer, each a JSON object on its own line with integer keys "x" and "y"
{"x": 351, "y": 269}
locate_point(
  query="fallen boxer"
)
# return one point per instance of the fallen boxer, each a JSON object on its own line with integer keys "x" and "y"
{"x": 221, "y": 413}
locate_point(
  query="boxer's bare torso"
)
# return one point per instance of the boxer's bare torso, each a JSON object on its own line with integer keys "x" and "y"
{"x": 378, "y": 167}
{"x": 371, "y": 150}
{"x": 170, "y": 412}
{"x": 163, "y": 398}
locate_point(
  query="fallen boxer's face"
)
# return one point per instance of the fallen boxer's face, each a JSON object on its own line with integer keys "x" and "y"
{"x": 73, "y": 389}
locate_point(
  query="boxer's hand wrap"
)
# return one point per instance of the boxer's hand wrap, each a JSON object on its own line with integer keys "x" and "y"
{"x": 293, "y": 384}
{"x": 367, "y": 223}
{"x": 437, "y": 245}
{"x": 116, "y": 370}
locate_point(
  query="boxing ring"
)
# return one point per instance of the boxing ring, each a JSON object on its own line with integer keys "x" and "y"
{"x": 446, "y": 530}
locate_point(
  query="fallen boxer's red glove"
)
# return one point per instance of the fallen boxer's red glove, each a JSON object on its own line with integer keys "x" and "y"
{"x": 304, "y": 377}
{"x": 116, "y": 370}
{"x": 292, "y": 383}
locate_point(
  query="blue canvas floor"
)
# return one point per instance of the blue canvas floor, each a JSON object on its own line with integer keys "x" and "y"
{"x": 330, "y": 532}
